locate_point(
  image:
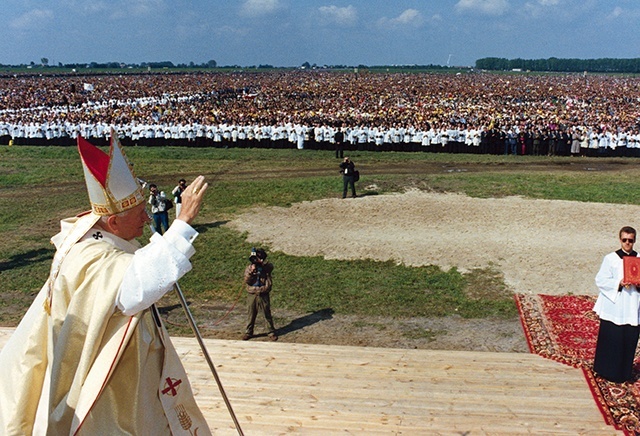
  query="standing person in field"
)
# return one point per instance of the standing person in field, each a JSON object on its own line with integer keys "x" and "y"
{"x": 338, "y": 138}
{"x": 258, "y": 282}
{"x": 617, "y": 306}
{"x": 91, "y": 355}
{"x": 348, "y": 169}
{"x": 158, "y": 202}
{"x": 177, "y": 194}
{"x": 575, "y": 141}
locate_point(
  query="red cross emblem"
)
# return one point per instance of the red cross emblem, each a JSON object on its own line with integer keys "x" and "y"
{"x": 171, "y": 386}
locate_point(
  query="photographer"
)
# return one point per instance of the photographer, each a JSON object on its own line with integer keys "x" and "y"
{"x": 177, "y": 194}
{"x": 257, "y": 279}
{"x": 158, "y": 202}
{"x": 348, "y": 170}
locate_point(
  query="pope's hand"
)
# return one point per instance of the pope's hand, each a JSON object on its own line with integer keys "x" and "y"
{"x": 192, "y": 199}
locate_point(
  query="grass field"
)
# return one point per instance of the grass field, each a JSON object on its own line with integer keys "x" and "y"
{"x": 40, "y": 186}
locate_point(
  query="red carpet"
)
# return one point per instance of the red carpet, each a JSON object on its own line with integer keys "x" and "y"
{"x": 565, "y": 329}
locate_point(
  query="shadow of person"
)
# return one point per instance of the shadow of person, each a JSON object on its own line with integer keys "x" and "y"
{"x": 165, "y": 310}
{"x": 28, "y": 258}
{"x": 203, "y": 228}
{"x": 305, "y": 321}
{"x": 367, "y": 193}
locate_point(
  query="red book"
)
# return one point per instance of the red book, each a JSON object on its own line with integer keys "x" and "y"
{"x": 631, "y": 270}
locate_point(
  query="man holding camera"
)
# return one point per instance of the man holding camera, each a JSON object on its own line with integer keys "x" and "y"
{"x": 348, "y": 170}
{"x": 257, "y": 279}
{"x": 158, "y": 202}
{"x": 177, "y": 194}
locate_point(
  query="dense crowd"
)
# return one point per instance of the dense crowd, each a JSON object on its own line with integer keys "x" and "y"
{"x": 467, "y": 112}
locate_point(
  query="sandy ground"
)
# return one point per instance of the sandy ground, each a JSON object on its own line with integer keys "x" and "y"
{"x": 541, "y": 246}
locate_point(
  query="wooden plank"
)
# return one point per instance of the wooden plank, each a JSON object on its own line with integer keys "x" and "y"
{"x": 284, "y": 388}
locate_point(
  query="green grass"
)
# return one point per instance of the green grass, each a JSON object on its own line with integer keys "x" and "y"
{"x": 41, "y": 185}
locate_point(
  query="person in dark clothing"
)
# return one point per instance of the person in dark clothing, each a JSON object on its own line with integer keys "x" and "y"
{"x": 348, "y": 169}
{"x": 177, "y": 194}
{"x": 536, "y": 142}
{"x": 338, "y": 138}
{"x": 528, "y": 141}
{"x": 258, "y": 282}
{"x": 553, "y": 143}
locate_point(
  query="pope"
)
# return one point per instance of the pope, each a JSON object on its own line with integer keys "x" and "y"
{"x": 91, "y": 355}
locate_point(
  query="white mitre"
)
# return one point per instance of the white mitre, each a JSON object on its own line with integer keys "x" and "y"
{"x": 112, "y": 187}
{"x": 111, "y": 183}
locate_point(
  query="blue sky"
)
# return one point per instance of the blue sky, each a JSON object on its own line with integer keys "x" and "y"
{"x": 291, "y": 32}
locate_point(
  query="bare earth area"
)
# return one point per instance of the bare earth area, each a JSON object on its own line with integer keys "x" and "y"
{"x": 541, "y": 246}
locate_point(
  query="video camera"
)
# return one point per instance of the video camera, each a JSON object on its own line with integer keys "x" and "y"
{"x": 257, "y": 256}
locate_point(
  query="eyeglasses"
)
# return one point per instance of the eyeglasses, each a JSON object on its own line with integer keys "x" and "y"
{"x": 628, "y": 240}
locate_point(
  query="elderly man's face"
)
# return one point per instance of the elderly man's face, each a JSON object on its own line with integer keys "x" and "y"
{"x": 131, "y": 224}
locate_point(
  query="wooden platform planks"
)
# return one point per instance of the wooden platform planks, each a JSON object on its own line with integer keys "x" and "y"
{"x": 284, "y": 388}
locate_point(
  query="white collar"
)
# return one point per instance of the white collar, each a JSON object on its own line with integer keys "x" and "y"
{"x": 98, "y": 234}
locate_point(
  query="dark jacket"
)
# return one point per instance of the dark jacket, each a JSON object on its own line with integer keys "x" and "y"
{"x": 347, "y": 168}
{"x": 258, "y": 281}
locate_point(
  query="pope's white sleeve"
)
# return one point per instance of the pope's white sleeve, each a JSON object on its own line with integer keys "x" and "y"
{"x": 156, "y": 267}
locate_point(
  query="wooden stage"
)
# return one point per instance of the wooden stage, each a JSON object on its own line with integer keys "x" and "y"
{"x": 283, "y": 388}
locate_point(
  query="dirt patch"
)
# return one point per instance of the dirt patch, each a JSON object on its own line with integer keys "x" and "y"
{"x": 541, "y": 246}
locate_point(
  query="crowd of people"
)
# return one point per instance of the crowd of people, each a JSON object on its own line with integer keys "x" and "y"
{"x": 474, "y": 112}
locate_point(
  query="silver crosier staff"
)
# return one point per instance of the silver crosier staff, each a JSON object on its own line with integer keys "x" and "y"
{"x": 203, "y": 347}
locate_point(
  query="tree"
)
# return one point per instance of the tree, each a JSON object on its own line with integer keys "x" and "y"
{"x": 44, "y": 61}
{"x": 212, "y": 64}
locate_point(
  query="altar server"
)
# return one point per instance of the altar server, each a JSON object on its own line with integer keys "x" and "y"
{"x": 617, "y": 306}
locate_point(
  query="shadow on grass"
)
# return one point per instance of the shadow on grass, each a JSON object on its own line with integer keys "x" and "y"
{"x": 24, "y": 259}
{"x": 203, "y": 228}
{"x": 305, "y": 321}
{"x": 165, "y": 310}
{"x": 367, "y": 193}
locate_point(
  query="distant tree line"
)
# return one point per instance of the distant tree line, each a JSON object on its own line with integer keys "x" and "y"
{"x": 154, "y": 65}
{"x": 604, "y": 65}
{"x": 168, "y": 65}
{"x": 44, "y": 63}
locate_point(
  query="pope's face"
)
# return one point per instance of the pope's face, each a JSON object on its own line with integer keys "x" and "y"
{"x": 131, "y": 224}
